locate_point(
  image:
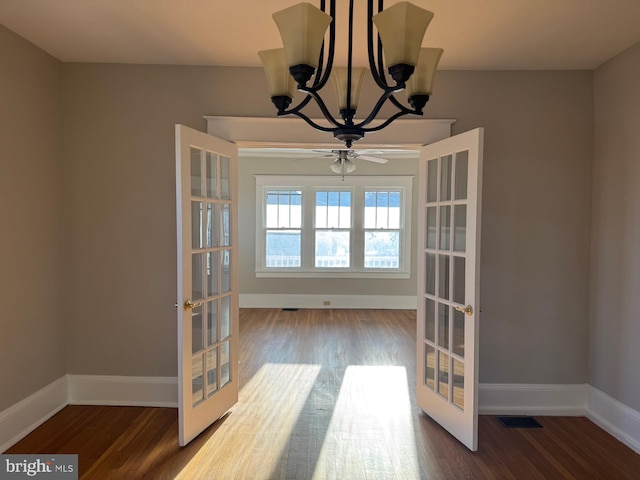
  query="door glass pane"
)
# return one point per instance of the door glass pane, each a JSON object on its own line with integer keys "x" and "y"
{"x": 445, "y": 178}
{"x": 212, "y": 322}
{"x": 430, "y": 274}
{"x": 212, "y": 274}
{"x": 225, "y": 321}
{"x": 196, "y": 172}
{"x": 225, "y": 267}
{"x": 458, "y": 333}
{"x": 225, "y": 190}
{"x": 197, "y": 276}
{"x": 432, "y": 231}
{"x": 225, "y": 364}
{"x": 197, "y": 225}
{"x": 225, "y": 225}
{"x": 197, "y": 329}
{"x": 432, "y": 180}
{"x": 460, "y": 228}
{"x": 462, "y": 174}
{"x": 443, "y": 325}
{"x": 458, "y": 383}
{"x": 443, "y": 276}
{"x": 197, "y": 379}
{"x": 212, "y": 225}
{"x": 212, "y": 172}
{"x": 430, "y": 320}
{"x": 429, "y": 366}
{"x": 458, "y": 279}
{"x": 445, "y": 227}
{"x": 212, "y": 371}
{"x": 443, "y": 374}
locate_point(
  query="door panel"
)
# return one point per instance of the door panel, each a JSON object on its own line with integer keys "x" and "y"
{"x": 448, "y": 283}
{"x": 207, "y": 280}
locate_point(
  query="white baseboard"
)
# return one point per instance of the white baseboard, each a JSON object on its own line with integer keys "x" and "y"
{"x": 379, "y": 302}
{"x": 123, "y": 391}
{"x": 525, "y": 399}
{"x": 614, "y": 417}
{"x": 20, "y": 419}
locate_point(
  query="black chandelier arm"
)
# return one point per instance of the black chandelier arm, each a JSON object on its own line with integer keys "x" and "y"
{"x": 312, "y": 93}
{"x": 386, "y": 95}
{"x": 320, "y": 78}
{"x": 388, "y": 121}
{"x": 377, "y": 71}
{"x": 400, "y": 106}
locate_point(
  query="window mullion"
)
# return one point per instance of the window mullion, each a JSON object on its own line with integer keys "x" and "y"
{"x": 308, "y": 227}
{"x": 357, "y": 229}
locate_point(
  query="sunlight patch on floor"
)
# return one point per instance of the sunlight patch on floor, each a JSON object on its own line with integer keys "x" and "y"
{"x": 371, "y": 431}
{"x": 262, "y": 421}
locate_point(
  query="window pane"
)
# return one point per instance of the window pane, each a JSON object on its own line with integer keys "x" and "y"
{"x": 430, "y": 274}
{"x": 443, "y": 374}
{"x": 283, "y": 248}
{"x": 333, "y": 209}
{"x": 443, "y": 325}
{"x": 332, "y": 249}
{"x": 458, "y": 383}
{"x": 460, "y": 228}
{"x": 283, "y": 209}
{"x": 443, "y": 276}
{"x": 431, "y": 227}
{"x": 430, "y": 320}
{"x": 382, "y": 249}
{"x": 225, "y": 182}
{"x": 429, "y": 366}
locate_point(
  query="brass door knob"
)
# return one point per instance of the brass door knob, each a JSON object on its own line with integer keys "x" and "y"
{"x": 189, "y": 305}
{"x": 468, "y": 309}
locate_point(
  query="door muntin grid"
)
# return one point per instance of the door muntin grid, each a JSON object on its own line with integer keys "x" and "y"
{"x": 211, "y": 280}
{"x": 444, "y": 282}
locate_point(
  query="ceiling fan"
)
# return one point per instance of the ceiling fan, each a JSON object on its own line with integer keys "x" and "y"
{"x": 343, "y": 162}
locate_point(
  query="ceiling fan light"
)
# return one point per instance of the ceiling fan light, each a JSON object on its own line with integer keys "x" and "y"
{"x": 342, "y": 167}
{"x": 401, "y": 28}
{"x": 339, "y": 77}
{"x": 279, "y": 81}
{"x": 421, "y": 82}
{"x": 302, "y": 28}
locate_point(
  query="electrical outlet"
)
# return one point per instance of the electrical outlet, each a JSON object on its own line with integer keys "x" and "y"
{"x": 326, "y": 303}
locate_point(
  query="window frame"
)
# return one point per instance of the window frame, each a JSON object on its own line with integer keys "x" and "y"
{"x": 358, "y": 185}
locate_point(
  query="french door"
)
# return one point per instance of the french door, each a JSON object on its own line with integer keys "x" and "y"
{"x": 207, "y": 220}
{"x": 448, "y": 283}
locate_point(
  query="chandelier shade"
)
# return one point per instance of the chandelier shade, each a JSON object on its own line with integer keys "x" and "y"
{"x": 340, "y": 80}
{"x": 401, "y": 29}
{"x": 394, "y": 37}
{"x": 421, "y": 82}
{"x": 302, "y": 28}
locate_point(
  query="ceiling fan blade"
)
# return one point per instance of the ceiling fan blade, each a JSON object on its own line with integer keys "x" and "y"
{"x": 369, "y": 158}
{"x": 369, "y": 152}
{"x": 314, "y": 157}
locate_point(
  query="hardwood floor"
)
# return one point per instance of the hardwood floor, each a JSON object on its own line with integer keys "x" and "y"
{"x": 325, "y": 394}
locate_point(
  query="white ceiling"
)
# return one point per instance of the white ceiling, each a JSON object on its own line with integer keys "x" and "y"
{"x": 476, "y": 34}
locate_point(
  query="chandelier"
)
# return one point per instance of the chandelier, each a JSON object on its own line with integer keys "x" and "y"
{"x": 301, "y": 64}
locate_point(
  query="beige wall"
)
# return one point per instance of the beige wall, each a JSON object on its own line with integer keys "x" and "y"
{"x": 614, "y": 321}
{"x": 119, "y": 208}
{"x": 32, "y": 338}
{"x": 89, "y": 213}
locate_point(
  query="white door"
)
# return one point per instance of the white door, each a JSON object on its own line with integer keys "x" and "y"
{"x": 448, "y": 283}
{"x": 207, "y": 220}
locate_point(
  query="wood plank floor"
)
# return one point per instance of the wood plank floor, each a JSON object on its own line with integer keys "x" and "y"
{"x": 325, "y": 394}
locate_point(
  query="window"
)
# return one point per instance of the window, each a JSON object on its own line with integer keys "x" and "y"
{"x": 316, "y": 226}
